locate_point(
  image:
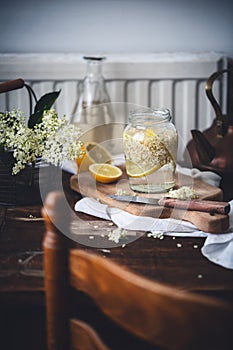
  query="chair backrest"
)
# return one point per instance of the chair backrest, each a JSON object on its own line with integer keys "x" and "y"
{"x": 159, "y": 314}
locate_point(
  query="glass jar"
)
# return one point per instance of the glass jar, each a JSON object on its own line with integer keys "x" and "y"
{"x": 150, "y": 143}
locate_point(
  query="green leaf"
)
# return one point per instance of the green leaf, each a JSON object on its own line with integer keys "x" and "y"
{"x": 46, "y": 101}
{"x": 35, "y": 118}
{"x": 43, "y": 104}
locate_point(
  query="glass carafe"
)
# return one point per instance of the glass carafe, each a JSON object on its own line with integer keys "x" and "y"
{"x": 94, "y": 112}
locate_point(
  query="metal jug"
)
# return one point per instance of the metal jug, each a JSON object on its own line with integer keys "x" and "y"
{"x": 212, "y": 149}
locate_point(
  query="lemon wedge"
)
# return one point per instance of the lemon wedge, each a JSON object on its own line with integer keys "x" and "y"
{"x": 92, "y": 153}
{"x": 105, "y": 173}
{"x": 150, "y": 133}
{"x": 134, "y": 170}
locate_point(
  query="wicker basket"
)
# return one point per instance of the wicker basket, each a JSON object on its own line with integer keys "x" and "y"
{"x": 20, "y": 189}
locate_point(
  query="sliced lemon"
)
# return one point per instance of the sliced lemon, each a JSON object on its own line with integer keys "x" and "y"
{"x": 135, "y": 170}
{"x": 145, "y": 156}
{"x": 150, "y": 133}
{"x": 105, "y": 173}
{"x": 92, "y": 153}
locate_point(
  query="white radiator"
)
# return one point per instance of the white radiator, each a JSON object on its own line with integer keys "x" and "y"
{"x": 174, "y": 81}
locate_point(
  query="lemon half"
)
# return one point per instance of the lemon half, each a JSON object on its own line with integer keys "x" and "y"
{"x": 92, "y": 153}
{"x": 105, "y": 173}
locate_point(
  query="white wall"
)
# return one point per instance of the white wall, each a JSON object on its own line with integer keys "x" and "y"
{"x": 103, "y": 26}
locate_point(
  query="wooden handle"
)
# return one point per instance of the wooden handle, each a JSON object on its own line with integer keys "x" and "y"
{"x": 11, "y": 85}
{"x": 211, "y": 223}
{"x": 205, "y": 206}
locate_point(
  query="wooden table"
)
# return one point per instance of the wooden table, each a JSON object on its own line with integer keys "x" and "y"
{"x": 176, "y": 261}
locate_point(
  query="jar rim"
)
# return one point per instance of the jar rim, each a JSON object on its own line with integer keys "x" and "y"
{"x": 156, "y": 115}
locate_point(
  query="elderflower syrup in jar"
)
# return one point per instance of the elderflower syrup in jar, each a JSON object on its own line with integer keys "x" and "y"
{"x": 150, "y": 145}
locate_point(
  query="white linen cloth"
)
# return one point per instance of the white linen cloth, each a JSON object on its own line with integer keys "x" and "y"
{"x": 70, "y": 166}
{"x": 218, "y": 248}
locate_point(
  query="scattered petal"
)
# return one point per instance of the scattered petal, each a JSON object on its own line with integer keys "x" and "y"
{"x": 105, "y": 251}
{"x": 121, "y": 192}
{"x": 157, "y": 234}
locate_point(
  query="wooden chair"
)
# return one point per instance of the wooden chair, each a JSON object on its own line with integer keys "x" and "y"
{"x": 157, "y": 316}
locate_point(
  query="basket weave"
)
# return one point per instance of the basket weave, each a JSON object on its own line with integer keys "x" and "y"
{"x": 20, "y": 189}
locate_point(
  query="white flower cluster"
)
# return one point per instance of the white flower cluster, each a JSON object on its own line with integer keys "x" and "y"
{"x": 184, "y": 192}
{"x": 54, "y": 139}
{"x": 147, "y": 155}
{"x": 148, "y": 151}
{"x": 117, "y": 234}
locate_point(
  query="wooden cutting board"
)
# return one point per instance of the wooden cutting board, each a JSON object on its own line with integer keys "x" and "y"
{"x": 217, "y": 223}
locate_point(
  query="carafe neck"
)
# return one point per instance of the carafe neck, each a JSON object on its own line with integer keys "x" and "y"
{"x": 94, "y": 67}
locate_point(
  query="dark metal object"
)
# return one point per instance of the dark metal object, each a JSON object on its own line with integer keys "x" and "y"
{"x": 212, "y": 149}
{"x": 19, "y": 84}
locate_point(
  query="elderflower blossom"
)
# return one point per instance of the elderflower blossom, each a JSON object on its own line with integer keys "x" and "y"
{"x": 53, "y": 140}
{"x": 117, "y": 234}
{"x": 184, "y": 192}
{"x": 63, "y": 145}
